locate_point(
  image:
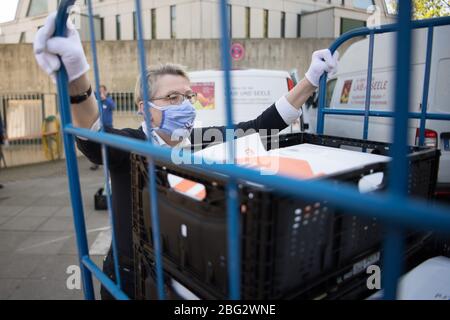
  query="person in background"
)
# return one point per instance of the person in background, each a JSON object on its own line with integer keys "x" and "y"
{"x": 108, "y": 106}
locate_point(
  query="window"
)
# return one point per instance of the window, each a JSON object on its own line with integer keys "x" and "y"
{"x": 266, "y": 24}
{"x": 283, "y": 24}
{"x": 247, "y": 22}
{"x": 134, "y": 25}
{"x": 102, "y": 28}
{"x": 22, "y": 37}
{"x": 391, "y": 6}
{"x": 362, "y": 4}
{"x": 299, "y": 25}
{"x": 153, "y": 14}
{"x": 342, "y": 2}
{"x": 173, "y": 27}
{"x": 37, "y": 7}
{"x": 117, "y": 27}
{"x": 349, "y": 24}
{"x": 229, "y": 21}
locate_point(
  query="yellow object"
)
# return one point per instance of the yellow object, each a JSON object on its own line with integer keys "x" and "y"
{"x": 51, "y": 138}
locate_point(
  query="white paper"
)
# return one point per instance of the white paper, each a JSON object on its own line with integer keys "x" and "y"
{"x": 250, "y": 145}
{"x": 303, "y": 161}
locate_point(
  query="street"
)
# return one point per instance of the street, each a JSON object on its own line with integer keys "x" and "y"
{"x": 37, "y": 233}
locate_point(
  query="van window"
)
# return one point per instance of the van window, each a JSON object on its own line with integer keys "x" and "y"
{"x": 442, "y": 93}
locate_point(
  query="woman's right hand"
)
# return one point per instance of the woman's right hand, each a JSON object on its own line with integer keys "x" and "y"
{"x": 47, "y": 48}
{"x": 321, "y": 61}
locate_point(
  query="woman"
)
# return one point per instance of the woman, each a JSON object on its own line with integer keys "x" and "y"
{"x": 172, "y": 116}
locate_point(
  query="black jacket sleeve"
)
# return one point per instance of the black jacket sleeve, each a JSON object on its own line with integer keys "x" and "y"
{"x": 93, "y": 151}
{"x": 269, "y": 120}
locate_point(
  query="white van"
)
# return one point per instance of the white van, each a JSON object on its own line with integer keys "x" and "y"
{"x": 347, "y": 90}
{"x": 252, "y": 90}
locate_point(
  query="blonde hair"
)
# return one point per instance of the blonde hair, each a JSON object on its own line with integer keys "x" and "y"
{"x": 152, "y": 75}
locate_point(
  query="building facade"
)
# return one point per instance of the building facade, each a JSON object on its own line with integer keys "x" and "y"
{"x": 199, "y": 19}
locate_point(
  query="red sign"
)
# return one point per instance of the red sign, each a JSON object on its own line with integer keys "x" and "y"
{"x": 237, "y": 51}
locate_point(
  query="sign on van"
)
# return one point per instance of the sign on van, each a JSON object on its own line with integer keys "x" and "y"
{"x": 205, "y": 95}
{"x": 351, "y": 92}
{"x": 258, "y": 94}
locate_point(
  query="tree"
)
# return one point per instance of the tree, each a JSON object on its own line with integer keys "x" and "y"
{"x": 424, "y": 9}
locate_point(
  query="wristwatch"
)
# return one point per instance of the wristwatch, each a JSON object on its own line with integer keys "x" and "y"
{"x": 81, "y": 97}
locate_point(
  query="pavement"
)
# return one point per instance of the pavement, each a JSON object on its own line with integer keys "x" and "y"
{"x": 38, "y": 253}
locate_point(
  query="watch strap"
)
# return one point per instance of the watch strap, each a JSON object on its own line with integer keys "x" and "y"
{"x": 81, "y": 97}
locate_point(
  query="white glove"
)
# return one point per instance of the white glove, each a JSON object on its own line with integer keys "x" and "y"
{"x": 322, "y": 61}
{"x": 47, "y": 49}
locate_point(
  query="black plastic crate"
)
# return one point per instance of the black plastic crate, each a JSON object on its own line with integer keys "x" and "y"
{"x": 343, "y": 283}
{"x": 288, "y": 244}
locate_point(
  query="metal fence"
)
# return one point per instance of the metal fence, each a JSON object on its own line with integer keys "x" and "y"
{"x": 394, "y": 208}
{"x": 23, "y": 114}
{"x": 124, "y": 101}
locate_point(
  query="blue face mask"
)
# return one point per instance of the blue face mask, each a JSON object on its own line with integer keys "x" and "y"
{"x": 177, "y": 120}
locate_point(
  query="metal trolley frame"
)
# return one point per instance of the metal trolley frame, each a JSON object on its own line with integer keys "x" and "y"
{"x": 394, "y": 208}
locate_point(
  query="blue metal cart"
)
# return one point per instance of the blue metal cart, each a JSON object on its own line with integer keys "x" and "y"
{"x": 394, "y": 208}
